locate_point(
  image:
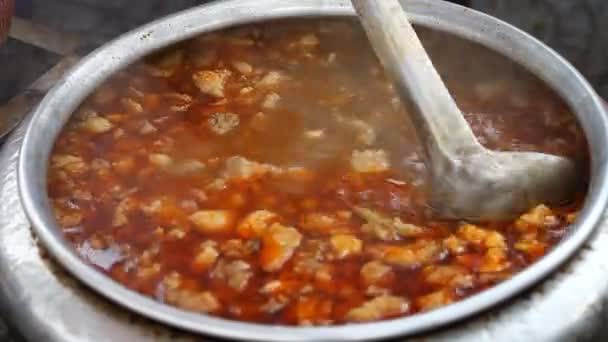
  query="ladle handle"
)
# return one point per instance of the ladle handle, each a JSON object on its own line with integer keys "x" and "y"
{"x": 439, "y": 122}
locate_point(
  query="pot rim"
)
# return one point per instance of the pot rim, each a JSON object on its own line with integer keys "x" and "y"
{"x": 62, "y": 100}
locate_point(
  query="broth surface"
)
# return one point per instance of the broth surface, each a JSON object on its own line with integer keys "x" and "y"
{"x": 269, "y": 173}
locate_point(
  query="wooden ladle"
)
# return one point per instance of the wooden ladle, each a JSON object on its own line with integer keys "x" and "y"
{"x": 468, "y": 181}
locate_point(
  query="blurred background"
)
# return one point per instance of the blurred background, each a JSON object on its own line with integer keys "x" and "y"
{"x": 577, "y": 29}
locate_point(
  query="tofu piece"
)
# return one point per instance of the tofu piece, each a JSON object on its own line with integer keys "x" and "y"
{"x": 379, "y": 308}
{"x": 369, "y": 161}
{"x": 213, "y": 221}
{"x": 223, "y": 122}
{"x": 211, "y": 82}
{"x": 278, "y": 246}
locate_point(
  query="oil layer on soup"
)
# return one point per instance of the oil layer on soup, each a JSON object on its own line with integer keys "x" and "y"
{"x": 269, "y": 174}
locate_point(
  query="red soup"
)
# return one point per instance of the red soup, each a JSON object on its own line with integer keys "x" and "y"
{"x": 269, "y": 174}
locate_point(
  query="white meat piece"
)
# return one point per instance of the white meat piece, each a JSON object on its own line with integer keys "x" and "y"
{"x": 221, "y": 123}
{"x": 97, "y": 125}
{"x": 211, "y": 82}
{"x": 369, "y": 161}
{"x": 213, "y": 221}
{"x": 278, "y": 246}
{"x": 378, "y": 308}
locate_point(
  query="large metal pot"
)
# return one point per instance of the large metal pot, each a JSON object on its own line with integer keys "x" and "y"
{"x": 58, "y": 105}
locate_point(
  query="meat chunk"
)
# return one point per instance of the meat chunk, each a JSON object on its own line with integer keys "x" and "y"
{"x": 379, "y": 308}
{"x": 160, "y": 160}
{"x": 221, "y": 123}
{"x": 369, "y": 161}
{"x": 204, "y": 302}
{"x": 385, "y": 228}
{"x": 131, "y": 105}
{"x": 455, "y": 245}
{"x": 346, "y": 245}
{"x": 411, "y": 255}
{"x": 237, "y": 248}
{"x": 539, "y": 217}
{"x": 374, "y": 271}
{"x": 271, "y": 101}
{"x": 206, "y": 256}
{"x": 97, "y": 125}
{"x": 453, "y": 276}
{"x": 434, "y": 300}
{"x": 120, "y": 213}
{"x": 211, "y": 82}
{"x": 271, "y": 79}
{"x": 495, "y": 257}
{"x": 278, "y": 245}
{"x": 254, "y": 224}
{"x": 236, "y": 273}
{"x": 243, "y": 168}
{"x": 482, "y": 237}
{"x": 309, "y": 40}
{"x": 242, "y": 67}
{"x": 68, "y": 162}
{"x": 213, "y": 221}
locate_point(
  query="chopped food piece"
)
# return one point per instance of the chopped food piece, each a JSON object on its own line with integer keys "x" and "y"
{"x": 242, "y": 168}
{"x": 385, "y": 228}
{"x": 254, "y": 224}
{"x": 222, "y": 123}
{"x": 159, "y": 159}
{"x": 213, "y": 221}
{"x": 378, "y": 308}
{"x": 453, "y": 276}
{"x": 272, "y": 78}
{"x": 434, "y": 300}
{"x": 132, "y": 105}
{"x": 309, "y": 40}
{"x": 271, "y": 100}
{"x": 411, "y": 255}
{"x": 236, "y": 273}
{"x": 278, "y": 245}
{"x": 242, "y": 67}
{"x": 537, "y": 218}
{"x": 369, "y": 161}
{"x": 346, "y": 245}
{"x": 206, "y": 257}
{"x": 455, "y": 245}
{"x": 315, "y": 134}
{"x": 374, "y": 271}
{"x": 69, "y": 163}
{"x": 97, "y": 125}
{"x": 211, "y": 82}
{"x": 194, "y": 301}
